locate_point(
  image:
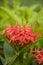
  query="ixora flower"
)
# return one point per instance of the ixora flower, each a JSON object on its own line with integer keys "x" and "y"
{"x": 20, "y": 35}
{"x": 38, "y": 55}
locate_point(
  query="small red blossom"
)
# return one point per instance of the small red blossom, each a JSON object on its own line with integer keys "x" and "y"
{"x": 24, "y": 35}
{"x": 38, "y": 55}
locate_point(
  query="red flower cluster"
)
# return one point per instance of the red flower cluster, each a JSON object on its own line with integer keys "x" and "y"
{"x": 22, "y": 35}
{"x": 38, "y": 54}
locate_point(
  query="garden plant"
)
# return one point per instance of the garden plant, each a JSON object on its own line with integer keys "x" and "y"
{"x": 21, "y": 35}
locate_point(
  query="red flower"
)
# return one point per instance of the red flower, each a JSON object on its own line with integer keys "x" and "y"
{"x": 38, "y": 55}
{"x": 24, "y": 35}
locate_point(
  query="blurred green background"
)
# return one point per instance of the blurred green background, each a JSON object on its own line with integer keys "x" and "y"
{"x": 22, "y": 2}
{"x": 30, "y": 2}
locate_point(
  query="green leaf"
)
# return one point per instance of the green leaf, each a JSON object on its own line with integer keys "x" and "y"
{"x": 14, "y": 57}
{"x": 40, "y": 18}
{"x": 2, "y": 59}
{"x": 8, "y": 50}
{"x": 13, "y": 17}
{"x": 33, "y": 7}
{"x": 34, "y": 62}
